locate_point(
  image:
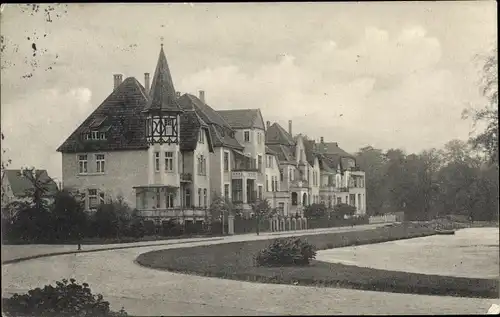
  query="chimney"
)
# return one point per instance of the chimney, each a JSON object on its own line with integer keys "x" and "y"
{"x": 322, "y": 140}
{"x": 117, "y": 79}
{"x": 202, "y": 95}
{"x": 290, "y": 127}
{"x": 268, "y": 124}
{"x": 178, "y": 94}
{"x": 146, "y": 82}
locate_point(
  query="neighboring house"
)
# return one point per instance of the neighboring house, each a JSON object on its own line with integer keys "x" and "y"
{"x": 248, "y": 125}
{"x": 16, "y": 186}
{"x": 341, "y": 180}
{"x": 169, "y": 155}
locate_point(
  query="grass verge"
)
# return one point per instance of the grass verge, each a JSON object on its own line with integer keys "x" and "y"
{"x": 236, "y": 261}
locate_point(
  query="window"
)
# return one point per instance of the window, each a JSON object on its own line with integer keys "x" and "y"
{"x": 281, "y": 208}
{"x": 267, "y": 183}
{"x": 82, "y": 164}
{"x": 169, "y": 161}
{"x": 281, "y": 175}
{"x": 157, "y": 196}
{"x": 226, "y": 190}
{"x": 270, "y": 161}
{"x": 188, "y": 198}
{"x": 102, "y": 136}
{"x": 199, "y": 197}
{"x": 93, "y": 200}
{"x": 202, "y": 168}
{"x": 260, "y": 192}
{"x": 169, "y": 203}
{"x": 157, "y": 161}
{"x": 148, "y": 126}
{"x": 99, "y": 159}
{"x": 205, "y": 198}
{"x": 247, "y": 136}
{"x": 259, "y": 137}
{"x": 201, "y": 139}
{"x": 226, "y": 161}
{"x": 272, "y": 183}
{"x": 276, "y": 183}
{"x": 95, "y": 134}
{"x": 339, "y": 200}
{"x": 169, "y": 124}
{"x": 259, "y": 162}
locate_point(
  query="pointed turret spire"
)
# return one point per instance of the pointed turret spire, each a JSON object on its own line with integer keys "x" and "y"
{"x": 162, "y": 93}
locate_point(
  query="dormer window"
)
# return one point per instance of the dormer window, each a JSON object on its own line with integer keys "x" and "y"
{"x": 96, "y": 129}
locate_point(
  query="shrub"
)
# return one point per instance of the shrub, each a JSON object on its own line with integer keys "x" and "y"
{"x": 65, "y": 299}
{"x": 286, "y": 251}
{"x": 172, "y": 228}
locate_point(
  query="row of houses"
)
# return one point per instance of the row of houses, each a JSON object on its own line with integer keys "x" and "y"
{"x": 169, "y": 154}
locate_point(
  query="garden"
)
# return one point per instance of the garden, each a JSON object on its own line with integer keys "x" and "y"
{"x": 291, "y": 261}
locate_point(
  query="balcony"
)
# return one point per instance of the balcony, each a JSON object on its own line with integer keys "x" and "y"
{"x": 344, "y": 189}
{"x": 198, "y": 212}
{"x": 186, "y": 177}
{"x": 240, "y": 174}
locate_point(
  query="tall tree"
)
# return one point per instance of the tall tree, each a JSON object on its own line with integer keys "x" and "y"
{"x": 372, "y": 162}
{"x": 487, "y": 139}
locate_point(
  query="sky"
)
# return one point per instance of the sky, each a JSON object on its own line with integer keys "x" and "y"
{"x": 385, "y": 74}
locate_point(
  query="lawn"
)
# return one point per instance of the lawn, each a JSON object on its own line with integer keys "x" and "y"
{"x": 236, "y": 261}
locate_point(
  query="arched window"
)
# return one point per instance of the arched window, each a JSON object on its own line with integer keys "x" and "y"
{"x": 304, "y": 199}
{"x": 294, "y": 198}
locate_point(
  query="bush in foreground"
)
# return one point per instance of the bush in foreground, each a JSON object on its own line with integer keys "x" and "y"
{"x": 286, "y": 251}
{"x": 65, "y": 299}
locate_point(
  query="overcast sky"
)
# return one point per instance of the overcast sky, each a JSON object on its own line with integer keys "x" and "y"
{"x": 384, "y": 74}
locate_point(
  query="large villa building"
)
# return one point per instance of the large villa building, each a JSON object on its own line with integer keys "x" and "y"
{"x": 169, "y": 155}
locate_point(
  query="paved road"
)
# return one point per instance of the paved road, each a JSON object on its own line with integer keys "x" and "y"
{"x": 144, "y": 291}
{"x": 12, "y": 252}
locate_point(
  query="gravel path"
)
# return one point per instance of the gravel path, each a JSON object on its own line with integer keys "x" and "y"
{"x": 145, "y": 291}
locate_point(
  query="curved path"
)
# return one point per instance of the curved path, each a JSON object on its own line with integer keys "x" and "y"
{"x": 144, "y": 291}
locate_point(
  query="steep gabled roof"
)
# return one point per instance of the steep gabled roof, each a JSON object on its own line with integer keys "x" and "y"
{"x": 162, "y": 95}
{"x": 243, "y": 118}
{"x": 283, "y": 152}
{"x": 221, "y": 132}
{"x": 309, "y": 151}
{"x": 191, "y": 124}
{"x": 332, "y": 148}
{"x": 124, "y": 122}
{"x": 270, "y": 151}
{"x": 275, "y": 134}
{"x": 20, "y": 184}
{"x": 331, "y": 162}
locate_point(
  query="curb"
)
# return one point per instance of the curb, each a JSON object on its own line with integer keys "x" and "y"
{"x": 45, "y": 255}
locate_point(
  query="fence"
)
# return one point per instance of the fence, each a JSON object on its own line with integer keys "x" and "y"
{"x": 392, "y": 217}
{"x": 324, "y": 222}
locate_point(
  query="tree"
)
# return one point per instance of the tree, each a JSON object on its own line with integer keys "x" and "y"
{"x": 372, "y": 161}
{"x": 220, "y": 208}
{"x": 112, "y": 218}
{"x": 315, "y": 211}
{"x": 69, "y": 217}
{"x": 487, "y": 140}
{"x": 261, "y": 210}
{"x": 342, "y": 210}
{"x": 40, "y": 188}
